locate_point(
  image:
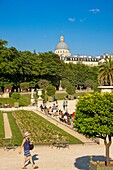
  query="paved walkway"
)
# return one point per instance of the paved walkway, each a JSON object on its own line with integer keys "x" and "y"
{"x": 75, "y": 158}
{"x": 7, "y": 128}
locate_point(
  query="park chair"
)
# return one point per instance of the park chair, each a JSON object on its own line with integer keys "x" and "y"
{"x": 59, "y": 142}
{"x": 9, "y": 144}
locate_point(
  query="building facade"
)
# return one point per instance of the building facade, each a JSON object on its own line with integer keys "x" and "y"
{"x": 64, "y": 53}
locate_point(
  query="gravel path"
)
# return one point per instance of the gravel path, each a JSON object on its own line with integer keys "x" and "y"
{"x": 7, "y": 128}
{"x": 75, "y": 158}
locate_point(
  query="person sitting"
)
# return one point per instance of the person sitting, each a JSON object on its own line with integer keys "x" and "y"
{"x": 50, "y": 110}
{"x": 41, "y": 107}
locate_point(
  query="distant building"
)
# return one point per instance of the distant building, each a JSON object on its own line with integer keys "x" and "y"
{"x": 62, "y": 48}
{"x": 63, "y": 51}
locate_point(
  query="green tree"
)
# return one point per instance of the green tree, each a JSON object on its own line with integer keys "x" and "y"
{"x": 106, "y": 72}
{"x": 89, "y": 83}
{"x": 24, "y": 86}
{"x": 50, "y": 90}
{"x": 43, "y": 83}
{"x": 94, "y": 118}
{"x": 65, "y": 83}
{"x": 70, "y": 89}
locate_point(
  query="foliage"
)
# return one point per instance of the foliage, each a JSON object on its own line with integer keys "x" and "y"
{"x": 89, "y": 83}
{"x": 65, "y": 83}
{"x": 24, "y": 86}
{"x": 94, "y": 117}
{"x": 70, "y": 90}
{"x": 78, "y": 73}
{"x": 15, "y": 95}
{"x": 50, "y": 90}
{"x": 43, "y": 83}
{"x": 105, "y": 76}
{"x": 41, "y": 130}
{"x": 17, "y": 67}
{"x": 24, "y": 100}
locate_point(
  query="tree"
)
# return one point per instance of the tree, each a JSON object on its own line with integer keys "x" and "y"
{"x": 50, "y": 90}
{"x": 94, "y": 118}
{"x": 3, "y": 43}
{"x": 24, "y": 86}
{"x": 106, "y": 72}
{"x": 89, "y": 83}
{"x": 65, "y": 83}
{"x": 70, "y": 90}
{"x": 43, "y": 83}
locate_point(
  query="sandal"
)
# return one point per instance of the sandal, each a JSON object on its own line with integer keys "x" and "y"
{"x": 35, "y": 167}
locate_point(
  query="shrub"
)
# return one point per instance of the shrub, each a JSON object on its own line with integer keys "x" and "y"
{"x": 15, "y": 96}
{"x": 43, "y": 84}
{"x": 50, "y": 90}
{"x": 24, "y": 86}
{"x": 70, "y": 90}
{"x": 65, "y": 83}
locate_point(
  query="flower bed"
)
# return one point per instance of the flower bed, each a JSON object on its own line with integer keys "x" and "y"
{"x": 42, "y": 131}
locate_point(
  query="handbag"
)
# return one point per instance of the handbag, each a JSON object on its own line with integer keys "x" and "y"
{"x": 31, "y": 146}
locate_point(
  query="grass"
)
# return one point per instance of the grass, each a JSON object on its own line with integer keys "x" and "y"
{"x": 41, "y": 130}
{"x": 23, "y": 101}
{"x": 2, "y": 134}
{"x": 16, "y": 134}
{"x": 60, "y": 96}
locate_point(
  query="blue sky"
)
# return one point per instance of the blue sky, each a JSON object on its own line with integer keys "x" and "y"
{"x": 87, "y": 25}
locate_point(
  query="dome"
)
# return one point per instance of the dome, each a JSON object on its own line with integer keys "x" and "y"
{"x": 62, "y": 44}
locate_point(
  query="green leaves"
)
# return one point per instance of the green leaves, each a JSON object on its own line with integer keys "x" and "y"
{"x": 94, "y": 114}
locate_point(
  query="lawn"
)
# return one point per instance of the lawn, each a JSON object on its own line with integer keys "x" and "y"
{"x": 41, "y": 130}
{"x": 23, "y": 101}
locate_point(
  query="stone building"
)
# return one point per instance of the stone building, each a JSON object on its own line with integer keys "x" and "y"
{"x": 64, "y": 53}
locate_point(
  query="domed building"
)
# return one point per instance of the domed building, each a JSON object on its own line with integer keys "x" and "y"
{"x": 62, "y": 48}
{"x": 63, "y": 51}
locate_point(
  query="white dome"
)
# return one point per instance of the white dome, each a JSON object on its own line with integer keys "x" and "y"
{"x": 62, "y": 44}
{"x": 62, "y": 48}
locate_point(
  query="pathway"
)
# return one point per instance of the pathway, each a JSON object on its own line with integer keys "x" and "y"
{"x": 7, "y": 128}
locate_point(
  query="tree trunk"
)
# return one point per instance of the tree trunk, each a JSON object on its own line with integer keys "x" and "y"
{"x": 107, "y": 145}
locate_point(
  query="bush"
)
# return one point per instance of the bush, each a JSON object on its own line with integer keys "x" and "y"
{"x": 50, "y": 90}
{"x": 15, "y": 96}
{"x": 65, "y": 83}
{"x": 24, "y": 86}
{"x": 70, "y": 90}
{"x": 43, "y": 84}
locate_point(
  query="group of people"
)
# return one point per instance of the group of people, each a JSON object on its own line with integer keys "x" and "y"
{"x": 63, "y": 113}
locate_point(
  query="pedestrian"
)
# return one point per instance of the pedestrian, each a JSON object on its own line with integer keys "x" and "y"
{"x": 64, "y": 104}
{"x": 27, "y": 155}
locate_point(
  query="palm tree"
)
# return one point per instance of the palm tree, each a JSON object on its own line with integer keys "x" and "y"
{"x": 105, "y": 76}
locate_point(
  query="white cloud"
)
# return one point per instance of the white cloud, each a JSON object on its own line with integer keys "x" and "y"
{"x": 83, "y": 20}
{"x": 94, "y": 11}
{"x": 71, "y": 19}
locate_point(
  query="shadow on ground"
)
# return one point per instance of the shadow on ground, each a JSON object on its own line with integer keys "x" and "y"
{"x": 34, "y": 157}
{"x": 82, "y": 163}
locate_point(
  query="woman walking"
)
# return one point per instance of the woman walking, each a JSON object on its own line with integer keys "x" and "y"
{"x": 27, "y": 155}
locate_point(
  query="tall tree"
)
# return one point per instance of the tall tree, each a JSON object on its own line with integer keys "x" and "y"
{"x": 106, "y": 72}
{"x": 94, "y": 118}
